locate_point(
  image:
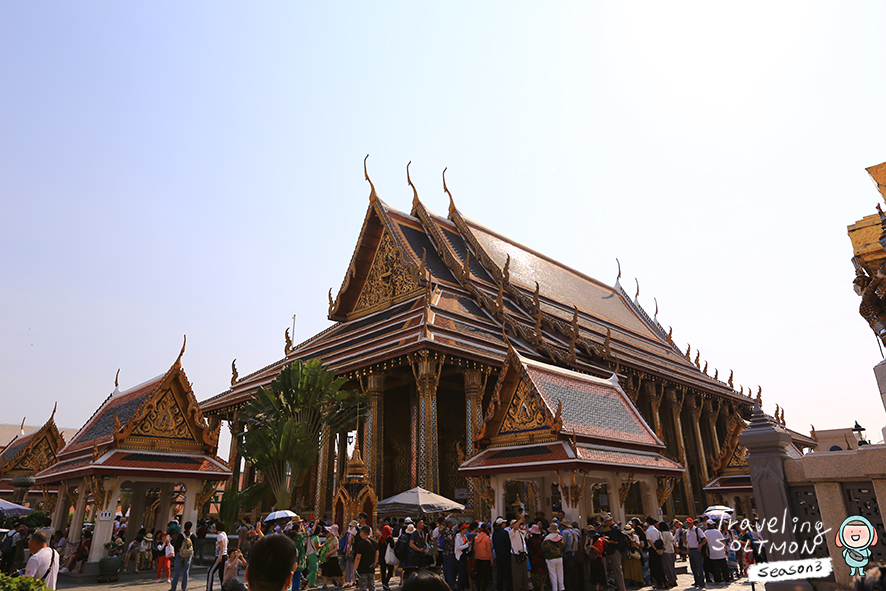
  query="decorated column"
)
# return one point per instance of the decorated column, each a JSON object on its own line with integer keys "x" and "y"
{"x": 373, "y": 436}
{"x": 426, "y": 367}
{"x": 105, "y": 491}
{"x": 475, "y": 385}
{"x": 695, "y": 412}
{"x": 80, "y": 497}
{"x": 674, "y": 402}
{"x": 710, "y": 410}
{"x": 62, "y": 504}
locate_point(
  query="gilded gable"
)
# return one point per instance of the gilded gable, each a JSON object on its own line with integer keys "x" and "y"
{"x": 162, "y": 423}
{"x": 388, "y": 280}
{"x": 525, "y": 418}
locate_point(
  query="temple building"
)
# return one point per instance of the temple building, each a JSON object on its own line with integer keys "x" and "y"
{"x": 24, "y": 456}
{"x": 140, "y": 450}
{"x": 430, "y": 313}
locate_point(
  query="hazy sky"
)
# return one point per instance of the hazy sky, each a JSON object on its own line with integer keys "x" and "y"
{"x": 171, "y": 168}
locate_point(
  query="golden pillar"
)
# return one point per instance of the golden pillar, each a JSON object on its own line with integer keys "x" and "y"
{"x": 426, "y": 367}
{"x": 655, "y": 395}
{"x": 324, "y": 472}
{"x": 711, "y": 409}
{"x": 475, "y": 385}
{"x": 695, "y": 411}
{"x": 373, "y": 435}
{"x": 236, "y": 428}
{"x": 674, "y": 402}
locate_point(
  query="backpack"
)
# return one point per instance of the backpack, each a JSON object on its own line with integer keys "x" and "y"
{"x": 8, "y": 546}
{"x": 401, "y": 548}
{"x": 187, "y": 549}
{"x": 552, "y": 549}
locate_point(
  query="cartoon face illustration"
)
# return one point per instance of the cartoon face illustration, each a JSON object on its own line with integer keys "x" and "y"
{"x": 856, "y": 535}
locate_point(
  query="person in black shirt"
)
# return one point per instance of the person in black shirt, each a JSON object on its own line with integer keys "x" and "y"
{"x": 366, "y": 553}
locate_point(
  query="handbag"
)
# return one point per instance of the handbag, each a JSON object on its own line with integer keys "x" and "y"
{"x": 390, "y": 557}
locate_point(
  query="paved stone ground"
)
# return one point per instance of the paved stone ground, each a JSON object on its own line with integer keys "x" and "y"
{"x": 146, "y": 582}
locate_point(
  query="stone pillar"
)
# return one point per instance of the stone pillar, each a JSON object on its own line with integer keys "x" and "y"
{"x": 190, "y": 509}
{"x": 674, "y": 403}
{"x": 475, "y": 384}
{"x": 62, "y": 505}
{"x": 832, "y": 506}
{"x": 373, "y": 437}
{"x": 767, "y": 445}
{"x": 136, "y": 510}
{"x": 104, "y": 527}
{"x": 426, "y": 367}
{"x": 79, "y": 511}
{"x": 880, "y": 374}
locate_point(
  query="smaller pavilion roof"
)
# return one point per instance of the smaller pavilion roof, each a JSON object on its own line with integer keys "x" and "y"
{"x": 559, "y": 455}
{"x": 542, "y": 417}
{"x": 153, "y": 429}
{"x": 30, "y": 452}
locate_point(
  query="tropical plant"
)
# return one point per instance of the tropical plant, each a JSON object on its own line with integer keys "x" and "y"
{"x": 288, "y": 424}
{"x": 8, "y": 583}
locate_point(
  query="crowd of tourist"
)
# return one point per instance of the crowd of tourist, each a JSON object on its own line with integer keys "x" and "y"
{"x": 512, "y": 553}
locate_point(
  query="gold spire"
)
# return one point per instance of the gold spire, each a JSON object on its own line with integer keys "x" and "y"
{"x": 716, "y": 373}
{"x": 356, "y": 467}
{"x": 234, "y": 374}
{"x": 688, "y": 351}
{"x": 730, "y": 379}
{"x": 705, "y": 370}
{"x": 372, "y": 194}
{"x": 812, "y": 433}
{"x": 697, "y": 358}
{"x": 287, "y": 348}
{"x": 777, "y": 408}
{"x": 760, "y": 396}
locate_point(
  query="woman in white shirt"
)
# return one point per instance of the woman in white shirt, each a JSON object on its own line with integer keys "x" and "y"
{"x": 221, "y": 556}
{"x": 669, "y": 556}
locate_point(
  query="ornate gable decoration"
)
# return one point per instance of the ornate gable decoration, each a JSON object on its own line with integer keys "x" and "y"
{"x": 39, "y": 452}
{"x": 525, "y": 414}
{"x": 388, "y": 281}
{"x": 517, "y": 413}
{"x": 169, "y": 420}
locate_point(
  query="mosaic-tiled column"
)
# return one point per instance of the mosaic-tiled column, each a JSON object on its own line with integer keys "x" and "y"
{"x": 655, "y": 393}
{"x": 426, "y": 367}
{"x": 674, "y": 402}
{"x": 373, "y": 436}
{"x": 475, "y": 380}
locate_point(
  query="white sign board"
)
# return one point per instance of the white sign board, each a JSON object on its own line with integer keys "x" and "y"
{"x": 105, "y": 516}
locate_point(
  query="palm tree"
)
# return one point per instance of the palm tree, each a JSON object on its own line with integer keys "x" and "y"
{"x": 288, "y": 424}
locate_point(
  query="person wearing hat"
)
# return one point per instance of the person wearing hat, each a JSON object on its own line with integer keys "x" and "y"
{"x": 519, "y": 555}
{"x": 714, "y": 541}
{"x": 694, "y": 538}
{"x": 346, "y": 552}
{"x": 461, "y": 552}
{"x": 537, "y": 566}
{"x": 615, "y": 542}
{"x": 552, "y": 546}
{"x": 329, "y": 565}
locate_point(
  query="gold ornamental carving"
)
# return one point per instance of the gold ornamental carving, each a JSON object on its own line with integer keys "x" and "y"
{"x": 207, "y": 489}
{"x": 664, "y": 488}
{"x": 49, "y": 499}
{"x": 388, "y": 277}
{"x": 625, "y": 488}
{"x": 100, "y": 492}
{"x": 164, "y": 420}
{"x": 39, "y": 457}
{"x": 524, "y": 413}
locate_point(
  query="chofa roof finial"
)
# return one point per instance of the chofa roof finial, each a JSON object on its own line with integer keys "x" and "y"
{"x": 760, "y": 396}
{"x": 117, "y": 379}
{"x": 372, "y": 194}
{"x": 182, "y": 352}
{"x": 234, "y": 374}
{"x": 446, "y": 190}
{"x": 415, "y": 200}
{"x": 619, "y": 269}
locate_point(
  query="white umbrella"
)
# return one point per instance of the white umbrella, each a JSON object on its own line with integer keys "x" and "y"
{"x": 8, "y": 509}
{"x": 280, "y": 515}
{"x": 720, "y": 508}
{"x": 418, "y": 500}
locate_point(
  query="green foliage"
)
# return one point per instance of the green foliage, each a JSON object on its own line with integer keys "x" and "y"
{"x": 229, "y": 510}
{"x": 289, "y": 423}
{"x": 8, "y": 583}
{"x": 32, "y": 520}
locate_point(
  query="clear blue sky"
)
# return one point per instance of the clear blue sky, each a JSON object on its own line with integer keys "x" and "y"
{"x": 171, "y": 168}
